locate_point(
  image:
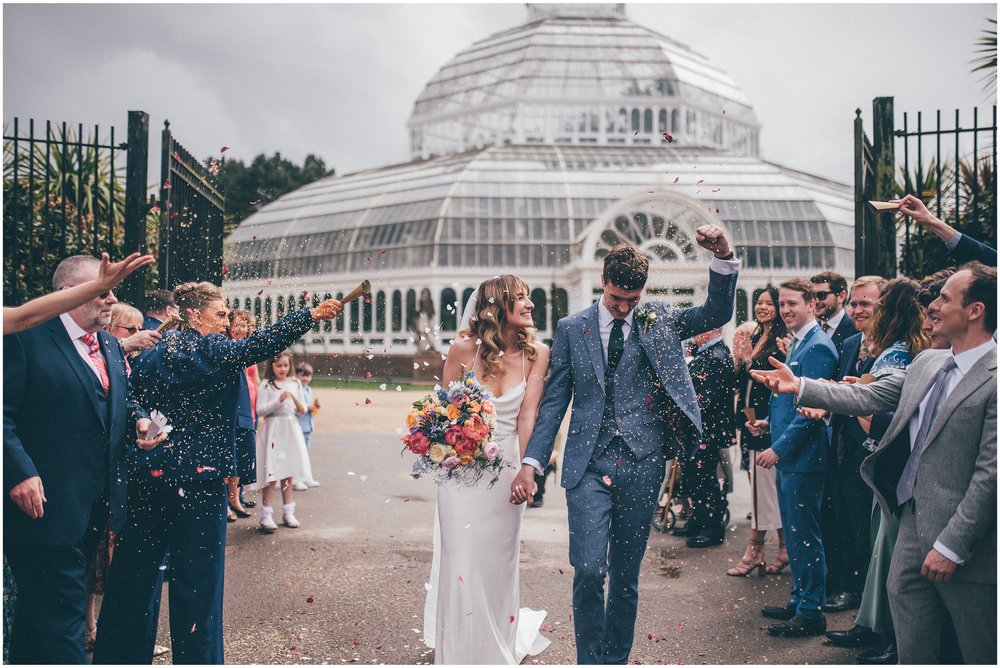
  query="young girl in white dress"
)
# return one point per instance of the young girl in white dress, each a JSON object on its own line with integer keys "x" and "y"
{"x": 472, "y": 613}
{"x": 281, "y": 448}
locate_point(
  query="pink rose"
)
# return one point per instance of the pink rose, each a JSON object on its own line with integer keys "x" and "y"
{"x": 488, "y": 407}
{"x": 418, "y": 443}
{"x": 451, "y": 462}
{"x": 491, "y": 450}
{"x": 460, "y": 400}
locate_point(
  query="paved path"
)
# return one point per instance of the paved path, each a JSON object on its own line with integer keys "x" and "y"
{"x": 348, "y": 586}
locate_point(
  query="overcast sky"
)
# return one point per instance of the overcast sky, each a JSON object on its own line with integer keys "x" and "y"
{"x": 340, "y": 80}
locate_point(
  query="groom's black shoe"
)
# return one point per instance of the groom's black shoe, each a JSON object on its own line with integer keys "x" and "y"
{"x": 799, "y": 627}
{"x": 778, "y": 612}
{"x": 856, "y": 636}
{"x": 707, "y": 538}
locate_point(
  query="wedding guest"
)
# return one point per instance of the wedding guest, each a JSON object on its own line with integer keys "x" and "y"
{"x": 304, "y": 372}
{"x": 68, "y": 420}
{"x": 765, "y": 514}
{"x": 126, "y": 326}
{"x": 40, "y": 309}
{"x": 242, "y": 325}
{"x": 742, "y": 347}
{"x": 281, "y": 450}
{"x": 160, "y": 307}
{"x": 177, "y": 498}
{"x": 962, "y": 247}
{"x": 799, "y": 448}
{"x": 714, "y": 382}
{"x": 831, "y": 295}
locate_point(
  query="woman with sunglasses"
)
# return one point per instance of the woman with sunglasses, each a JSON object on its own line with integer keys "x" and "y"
{"x": 126, "y": 326}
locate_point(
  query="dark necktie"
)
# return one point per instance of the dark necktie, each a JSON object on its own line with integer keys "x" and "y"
{"x": 904, "y": 490}
{"x": 616, "y": 344}
{"x": 826, "y": 327}
{"x": 94, "y": 353}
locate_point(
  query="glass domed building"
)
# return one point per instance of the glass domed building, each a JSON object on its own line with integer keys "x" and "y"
{"x": 534, "y": 151}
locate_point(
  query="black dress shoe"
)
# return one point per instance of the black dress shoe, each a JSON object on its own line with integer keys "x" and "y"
{"x": 843, "y": 601}
{"x": 799, "y": 627}
{"x": 706, "y": 539}
{"x": 856, "y": 636}
{"x": 880, "y": 655}
{"x": 778, "y": 612}
{"x": 687, "y": 531}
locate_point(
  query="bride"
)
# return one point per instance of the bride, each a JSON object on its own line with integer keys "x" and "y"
{"x": 472, "y": 614}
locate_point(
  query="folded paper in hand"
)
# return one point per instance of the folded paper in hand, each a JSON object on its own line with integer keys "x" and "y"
{"x": 158, "y": 424}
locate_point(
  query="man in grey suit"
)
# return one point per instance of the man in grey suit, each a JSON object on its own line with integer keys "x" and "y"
{"x": 624, "y": 370}
{"x": 936, "y": 467}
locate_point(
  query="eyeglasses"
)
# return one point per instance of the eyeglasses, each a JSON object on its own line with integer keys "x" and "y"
{"x": 130, "y": 330}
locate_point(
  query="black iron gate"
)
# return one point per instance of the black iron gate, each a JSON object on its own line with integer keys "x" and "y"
{"x": 63, "y": 195}
{"x": 191, "y": 218}
{"x": 960, "y": 189}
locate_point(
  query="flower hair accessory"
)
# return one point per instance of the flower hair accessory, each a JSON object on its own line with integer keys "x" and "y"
{"x": 646, "y": 316}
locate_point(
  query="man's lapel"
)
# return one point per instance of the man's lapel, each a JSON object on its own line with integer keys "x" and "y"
{"x": 83, "y": 372}
{"x": 981, "y": 372}
{"x": 592, "y": 339}
{"x": 802, "y": 344}
{"x": 116, "y": 370}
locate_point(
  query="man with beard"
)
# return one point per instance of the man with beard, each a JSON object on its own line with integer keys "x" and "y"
{"x": 66, "y": 424}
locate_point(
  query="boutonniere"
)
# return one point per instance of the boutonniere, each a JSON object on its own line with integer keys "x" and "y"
{"x": 646, "y": 317}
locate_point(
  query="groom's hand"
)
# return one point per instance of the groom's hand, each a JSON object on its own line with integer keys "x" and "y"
{"x": 711, "y": 237}
{"x": 522, "y": 488}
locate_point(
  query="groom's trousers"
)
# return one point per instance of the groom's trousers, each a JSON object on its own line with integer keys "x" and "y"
{"x": 609, "y": 518}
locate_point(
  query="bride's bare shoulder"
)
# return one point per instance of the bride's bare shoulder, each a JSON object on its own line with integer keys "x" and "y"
{"x": 462, "y": 349}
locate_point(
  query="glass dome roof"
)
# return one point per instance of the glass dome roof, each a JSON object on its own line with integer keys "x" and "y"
{"x": 580, "y": 74}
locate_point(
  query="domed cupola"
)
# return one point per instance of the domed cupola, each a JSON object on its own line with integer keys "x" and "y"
{"x": 580, "y": 74}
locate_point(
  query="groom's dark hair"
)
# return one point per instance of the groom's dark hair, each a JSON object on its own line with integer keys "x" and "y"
{"x": 626, "y": 267}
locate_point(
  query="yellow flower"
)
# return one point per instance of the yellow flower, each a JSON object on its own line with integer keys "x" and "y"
{"x": 412, "y": 418}
{"x": 474, "y": 406}
{"x": 437, "y": 452}
{"x": 467, "y": 458}
{"x": 453, "y": 412}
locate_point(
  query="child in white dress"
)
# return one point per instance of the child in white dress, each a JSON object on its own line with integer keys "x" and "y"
{"x": 281, "y": 449}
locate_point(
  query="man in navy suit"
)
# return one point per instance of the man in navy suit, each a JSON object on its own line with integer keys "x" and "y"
{"x": 160, "y": 307}
{"x": 799, "y": 449}
{"x": 963, "y": 248}
{"x": 66, "y": 423}
{"x": 623, "y": 369}
{"x": 830, "y": 289}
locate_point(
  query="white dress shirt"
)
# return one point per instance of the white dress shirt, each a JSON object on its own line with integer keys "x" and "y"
{"x": 75, "y": 332}
{"x": 833, "y": 323}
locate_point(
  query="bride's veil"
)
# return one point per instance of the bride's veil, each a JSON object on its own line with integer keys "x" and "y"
{"x": 470, "y": 309}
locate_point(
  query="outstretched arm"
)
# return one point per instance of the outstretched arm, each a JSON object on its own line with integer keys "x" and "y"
{"x": 846, "y": 399}
{"x": 963, "y": 247}
{"x": 718, "y": 307}
{"x": 53, "y": 304}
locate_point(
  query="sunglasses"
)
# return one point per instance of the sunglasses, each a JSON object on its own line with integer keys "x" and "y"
{"x": 130, "y": 330}
{"x": 823, "y": 295}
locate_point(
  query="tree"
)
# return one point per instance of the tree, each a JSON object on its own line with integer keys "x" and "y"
{"x": 249, "y": 187}
{"x": 987, "y": 61}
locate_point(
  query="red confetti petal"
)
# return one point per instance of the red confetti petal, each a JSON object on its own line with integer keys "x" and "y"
{"x": 586, "y": 331}
{"x": 700, "y": 182}
{"x": 669, "y": 137}
{"x": 368, "y": 375}
{"x": 677, "y": 179}
{"x": 356, "y": 643}
{"x": 715, "y": 190}
{"x": 156, "y": 473}
{"x": 166, "y": 184}
{"x": 309, "y": 600}
{"x": 260, "y": 292}
{"x": 223, "y": 149}
{"x": 512, "y": 617}
{"x": 225, "y": 271}
{"x": 193, "y": 627}
{"x": 177, "y": 156}
{"x": 367, "y": 401}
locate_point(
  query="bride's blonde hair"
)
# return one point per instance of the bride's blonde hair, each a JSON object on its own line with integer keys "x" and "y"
{"x": 494, "y": 301}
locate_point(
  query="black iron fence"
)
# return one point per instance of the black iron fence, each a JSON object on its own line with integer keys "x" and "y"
{"x": 63, "y": 194}
{"x": 191, "y": 217}
{"x": 952, "y": 169}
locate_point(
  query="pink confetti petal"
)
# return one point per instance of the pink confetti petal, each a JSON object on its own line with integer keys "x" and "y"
{"x": 677, "y": 180}
{"x": 669, "y": 137}
{"x": 223, "y": 149}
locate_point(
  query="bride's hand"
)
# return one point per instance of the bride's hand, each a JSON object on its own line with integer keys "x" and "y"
{"x": 523, "y": 487}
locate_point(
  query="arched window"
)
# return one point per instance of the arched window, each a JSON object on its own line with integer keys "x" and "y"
{"x": 327, "y": 324}
{"x": 664, "y": 120}
{"x": 338, "y": 322}
{"x": 539, "y": 312}
{"x": 315, "y": 303}
{"x": 279, "y": 314}
{"x": 397, "y": 310}
{"x": 635, "y": 120}
{"x": 267, "y": 312}
{"x": 248, "y": 306}
{"x": 675, "y": 121}
{"x": 380, "y": 311}
{"x": 256, "y": 311}
{"x": 355, "y": 316}
{"x": 647, "y": 121}
{"x": 449, "y": 319}
{"x": 466, "y": 295}
{"x": 366, "y": 312}
{"x": 411, "y": 309}
{"x": 302, "y": 300}
{"x": 560, "y": 306}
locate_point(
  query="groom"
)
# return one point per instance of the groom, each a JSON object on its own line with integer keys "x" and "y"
{"x": 624, "y": 370}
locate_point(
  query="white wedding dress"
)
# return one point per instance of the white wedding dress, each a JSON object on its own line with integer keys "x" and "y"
{"x": 472, "y": 614}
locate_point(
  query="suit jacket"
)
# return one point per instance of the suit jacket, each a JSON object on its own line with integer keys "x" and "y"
{"x": 55, "y": 427}
{"x": 845, "y": 330}
{"x": 149, "y": 322}
{"x": 969, "y": 249}
{"x": 196, "y": 382}
{"x": 803, "y": 444}
{"x": 956, "y": 488}
{"x": 848, "y": 435}
{"x": 650, "y": 378}
{"x": 714, "y": 381}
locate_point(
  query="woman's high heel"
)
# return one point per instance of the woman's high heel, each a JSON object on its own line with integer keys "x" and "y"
{"x": 780, "y": 563}
{"x": 238, "y": 512}
{"x": 753, "y": 559}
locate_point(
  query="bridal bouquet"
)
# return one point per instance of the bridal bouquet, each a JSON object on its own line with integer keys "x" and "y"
{"x": 451, "y": 432}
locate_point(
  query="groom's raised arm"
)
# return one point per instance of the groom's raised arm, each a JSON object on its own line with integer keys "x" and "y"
{"x": 723, "y": 270}
{"x": 555, "y": 401}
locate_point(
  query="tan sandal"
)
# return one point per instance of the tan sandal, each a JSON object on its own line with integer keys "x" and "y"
{"x": 780, "y": 563}
{"x": 753, "y": 559}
